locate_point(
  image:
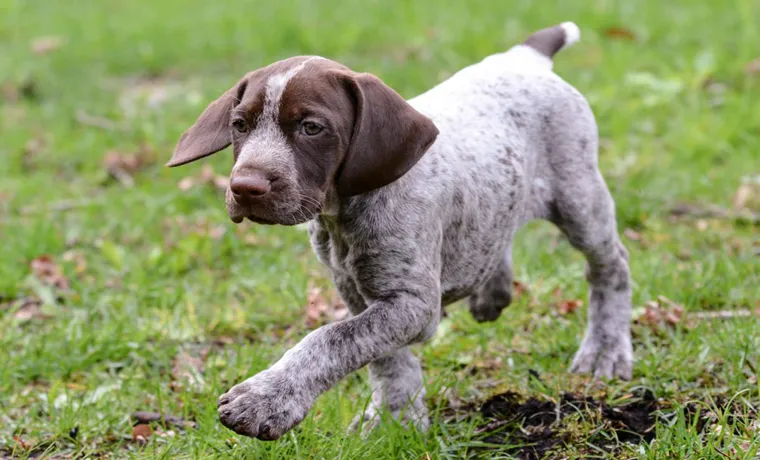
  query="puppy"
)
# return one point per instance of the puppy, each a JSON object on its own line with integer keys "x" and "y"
{"x": 413, "y": 205}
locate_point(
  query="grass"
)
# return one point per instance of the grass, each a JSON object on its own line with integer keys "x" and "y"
{"x": 158, "y": 275}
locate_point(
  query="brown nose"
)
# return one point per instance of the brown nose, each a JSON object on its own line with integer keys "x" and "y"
{"x": 250, "y": 186}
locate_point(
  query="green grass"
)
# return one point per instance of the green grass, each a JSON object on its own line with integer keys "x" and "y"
{"x": 154, "y": 270}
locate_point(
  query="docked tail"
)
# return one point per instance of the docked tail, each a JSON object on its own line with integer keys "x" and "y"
{"x": 552, "y": 39}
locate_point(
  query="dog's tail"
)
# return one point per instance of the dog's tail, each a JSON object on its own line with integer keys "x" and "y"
{"x": 552, "y": 39}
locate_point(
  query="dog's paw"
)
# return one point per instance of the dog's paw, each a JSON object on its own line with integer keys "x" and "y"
{"x": 605, "y": 359}
{"x": 409, "y": 416}
{"x": 266, "y": 406}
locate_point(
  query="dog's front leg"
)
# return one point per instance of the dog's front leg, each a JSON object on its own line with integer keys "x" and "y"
{"x": 272, "y": 402}
{"x": 396, "y": 378}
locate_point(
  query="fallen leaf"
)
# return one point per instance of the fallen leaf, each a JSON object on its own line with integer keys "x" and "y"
{"x": 752, "y": 67}
{"x": 143, "y": 417}
{"x": 518, "y": 289}
{"x": 566, "y": 307}
{"x": 186, "y": 183}
{"x": 659, "y": 313}
{"x": 205, "y": 177}
{"x": 619, "y": 33}
{"x": 29, "y": 308}
{"x": 316, "y": 308}
{"x": 21, "y": 443}
{"x": 632, "y": 234}
{"x": 48, "y": 272}
{"x": 44, "y": 45}
{"x": 251, "y": 239}
{"x": 141, "y": 433}
{"x": 320, "y": 309}
{"x": 187, "y": 369}
{"x": 122, "y": 166}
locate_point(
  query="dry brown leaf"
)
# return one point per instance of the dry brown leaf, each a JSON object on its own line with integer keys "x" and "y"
{"x": 321, "y": 309}
{"x": 518, "y": 289}
{"x": 661, "y": 312}
{"x": 632, "y": 234}
{"x": 141, "y": 433}
{"x": 567, "y": 307}
{"x": 205, "y": 177}
{"x": 187, "y": 368}
{"x": 752, "y": 67}
{"x": 316, "y": 307}
{"x": 29, "y": 308}
{"x": 76, "y": 386}
{"x": 186, "y": 183}
{"x": 48, "y": 272}
{"x": 44, "y": 45}
{"x": 619, "y": 33}
{"x": 564, "y": 306}
{"x": 122, "y": 166}
{"x": 21, "y": 443}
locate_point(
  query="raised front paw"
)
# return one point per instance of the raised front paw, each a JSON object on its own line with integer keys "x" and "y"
{"x": 605, "y": 357}
{"x": 265, "y": 406}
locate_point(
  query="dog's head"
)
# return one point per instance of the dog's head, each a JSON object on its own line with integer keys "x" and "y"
{"x": 304, "y": 129}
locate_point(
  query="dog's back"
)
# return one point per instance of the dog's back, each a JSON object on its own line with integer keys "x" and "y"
{"x": 510, "y": 129}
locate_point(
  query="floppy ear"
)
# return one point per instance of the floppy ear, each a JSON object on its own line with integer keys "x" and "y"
{"x": 210, "y": 133}
{"x": 388, "y": 138}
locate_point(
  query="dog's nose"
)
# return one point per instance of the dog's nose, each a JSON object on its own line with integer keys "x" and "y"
{"x": 249, "y": 187}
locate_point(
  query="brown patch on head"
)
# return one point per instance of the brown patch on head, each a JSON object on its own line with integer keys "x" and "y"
{"x": 303, "y": 129}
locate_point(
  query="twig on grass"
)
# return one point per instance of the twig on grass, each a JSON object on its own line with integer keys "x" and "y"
{"x": 148, "y": 417}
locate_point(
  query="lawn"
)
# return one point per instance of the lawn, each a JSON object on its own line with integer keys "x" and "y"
{"x": 124, "y": 287}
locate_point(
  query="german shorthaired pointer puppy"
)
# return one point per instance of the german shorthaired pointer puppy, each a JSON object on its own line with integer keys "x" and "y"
{"x": 413, "y": 205}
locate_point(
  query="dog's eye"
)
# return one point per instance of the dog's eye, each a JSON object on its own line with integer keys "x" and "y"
{"x": 239, "y": 125}
{"x": 311, "y": 129}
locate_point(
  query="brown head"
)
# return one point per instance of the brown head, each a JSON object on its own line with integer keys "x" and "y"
{"x": 302, "y": 130}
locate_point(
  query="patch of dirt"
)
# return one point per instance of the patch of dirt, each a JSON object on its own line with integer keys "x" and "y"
{"x": 537, "y": 427}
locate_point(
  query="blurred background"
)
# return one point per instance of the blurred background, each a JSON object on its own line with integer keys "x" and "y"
{"x": 124, "y": 287}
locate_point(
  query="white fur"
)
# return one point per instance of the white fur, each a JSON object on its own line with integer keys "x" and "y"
{"x": 572, "y": 34}
{"x": 267, "y": 142}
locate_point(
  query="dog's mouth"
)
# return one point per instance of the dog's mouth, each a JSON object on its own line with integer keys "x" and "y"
{"x": 259, "y": 220}
{"x": 294, "y": 214}
{"x": 291, "y": 219}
